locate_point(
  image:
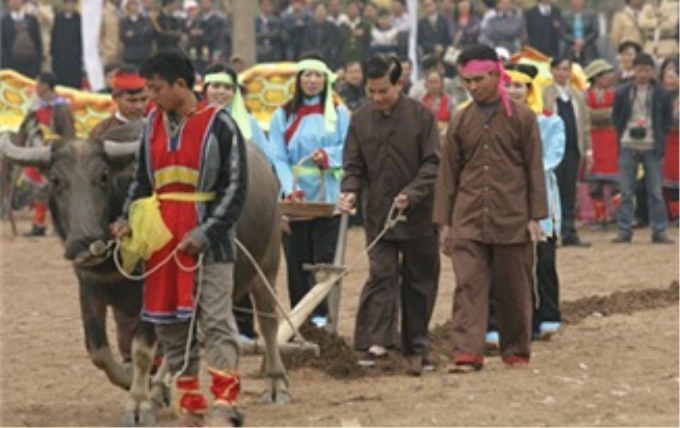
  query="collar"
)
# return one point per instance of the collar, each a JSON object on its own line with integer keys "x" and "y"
{"x": 18, "y": 16}
{"x": 308, "y": 101}
{"x": 120, "y": 118}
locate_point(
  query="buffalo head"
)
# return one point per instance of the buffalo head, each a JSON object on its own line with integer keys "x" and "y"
{"x": 88, "y": 182}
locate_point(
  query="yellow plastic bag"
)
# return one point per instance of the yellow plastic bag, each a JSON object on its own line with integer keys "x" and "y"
{"x": 149, "y": 232}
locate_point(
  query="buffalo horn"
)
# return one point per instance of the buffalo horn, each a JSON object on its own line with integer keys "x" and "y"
{"x": 27, "y": 156}
{"x": 117, "y": 150}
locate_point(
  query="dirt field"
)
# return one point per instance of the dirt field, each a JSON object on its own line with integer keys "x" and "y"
{"x": 615, "y": 362}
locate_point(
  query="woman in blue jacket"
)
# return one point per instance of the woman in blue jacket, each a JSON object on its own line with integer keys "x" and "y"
{"x": 307, "y": 134}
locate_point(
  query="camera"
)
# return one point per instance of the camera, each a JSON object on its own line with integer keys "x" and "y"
{"x": 638, "y": 132}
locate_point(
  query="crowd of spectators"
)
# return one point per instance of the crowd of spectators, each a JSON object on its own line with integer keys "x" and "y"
{"x": 37, "y": 37}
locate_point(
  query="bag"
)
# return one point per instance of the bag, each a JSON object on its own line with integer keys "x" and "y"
{"x": 638, "y": 132}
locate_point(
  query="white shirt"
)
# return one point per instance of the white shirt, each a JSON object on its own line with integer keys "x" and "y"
{"x": 17, "y": 16}
{"x": 545, "y": 9}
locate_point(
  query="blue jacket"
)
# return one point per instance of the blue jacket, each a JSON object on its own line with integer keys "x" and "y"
{"x": 553, "y": 140}
{"x": 310, "y": 136}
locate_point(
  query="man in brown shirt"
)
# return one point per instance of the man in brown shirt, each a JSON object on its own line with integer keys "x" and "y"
{"x": 490, "y": 195}
{"x": 391, "y": 157}
{"x": 129, "y": 93}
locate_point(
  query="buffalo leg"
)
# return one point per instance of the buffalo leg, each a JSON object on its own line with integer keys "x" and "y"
{"x": 269, "y": 328}
{"x": 140, "y": 408}
{"x": 93, "y": 313}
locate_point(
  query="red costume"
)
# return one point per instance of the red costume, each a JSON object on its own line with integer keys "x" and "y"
{"x": 671, "y": 171}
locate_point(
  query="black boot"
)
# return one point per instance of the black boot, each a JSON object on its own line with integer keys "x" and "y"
{"x": 36, "y": 231}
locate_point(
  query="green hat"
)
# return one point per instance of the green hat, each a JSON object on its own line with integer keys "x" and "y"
{"x": 597, "y": 67}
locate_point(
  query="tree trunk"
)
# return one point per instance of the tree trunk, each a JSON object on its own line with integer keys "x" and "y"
{"x": 243, "y": 29}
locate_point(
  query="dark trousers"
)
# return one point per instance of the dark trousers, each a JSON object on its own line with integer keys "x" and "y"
{"x": 567, "y": 177}
{"x": 414, "y": 280}
{"x": 546, "y": 295}
{"x": 29, "y": 67}
{"x": 309, "y": 242}
{"x": 479, "y": 267}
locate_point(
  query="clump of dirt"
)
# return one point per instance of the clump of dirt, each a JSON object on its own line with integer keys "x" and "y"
{"x": 337, "y": 358}
{"x": 620, "y": 302}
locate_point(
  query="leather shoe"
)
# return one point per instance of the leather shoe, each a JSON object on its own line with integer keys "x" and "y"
{"x": 620, "y": 239}
{"x": 662, "y": 239}
{"x": 575, "y": 242}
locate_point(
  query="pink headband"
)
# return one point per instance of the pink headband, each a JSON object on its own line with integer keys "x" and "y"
{"x": 481, "y": 66}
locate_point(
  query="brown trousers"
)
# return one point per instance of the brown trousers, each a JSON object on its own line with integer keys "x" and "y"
{"x": 509, "y": 268}
{"x": 417, "y": 276}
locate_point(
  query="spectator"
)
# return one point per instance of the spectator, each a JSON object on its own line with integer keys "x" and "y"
{"x": 353, "y": 93}
{"x": 390, "y": 161}
{"x": 136, "y": 34}
{"x": 43, "y": 10}
{"x": 236, "y": 62}
{"x": 295, "y": 23}
{"x": 504, "y": 29}
{"x": 109, "y": 39}
{"x": 433, "y": 33}
{"x": 580, "y": 32}
{"x": 355, "y": 35}
{"x": 668, "y": 76}
{"x": 642, "y": 116}
{"x": 659, "y": 19}
{"x": 268, "y": 30}
{"x": 335, "y": 15}
{"x": 371, "y": 13}
{"x": 625, "y": 24}
{"x": 110, "y": 71}
{"x": 568, "y": 103}
{"x": 466, "y": 26}
{"x": 628, "y": 50}
{"x": 400, "y": 17}
{"x": 544, "y": 23}
{"x": 214, "y": 38}
{"x": 436, "y": 100}
{"x": 603, "y": 159}
{"x": 490, "y": 196}
{"x": 21, "y": 42}
{"x": 384, "y": 38}
{"x": 310, "y": 126}
{"x": 167, "y": 26}
{"x": 321, "y": 37}
{"x": 67, "y": 46}
{"x": 406, "y": 78}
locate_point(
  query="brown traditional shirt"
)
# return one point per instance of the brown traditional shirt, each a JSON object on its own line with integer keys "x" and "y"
{"x": 100, "y": 129}
{"x": 386, "y": 155}
{"x": 491, "y": 179}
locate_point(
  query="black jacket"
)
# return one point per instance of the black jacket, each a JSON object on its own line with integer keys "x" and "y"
{"x": 67, "y": 50}
{"x": 662, "y": 113}
{"x": 591, "y": 32}
{"x": 430, "y": 35}
{"x": 8, "y": 33}
{"x": 137, "y": 38}
{"x": 543, "y": 32}
{"x": 268, "y": 38}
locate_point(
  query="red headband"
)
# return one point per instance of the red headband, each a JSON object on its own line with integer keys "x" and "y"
{"x": 128, "y": 81}
{"x": 480, "y": 66}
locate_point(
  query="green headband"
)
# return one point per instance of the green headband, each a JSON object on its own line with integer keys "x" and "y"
{"x": 238, "y": 107}
{"x": 329, "y": 113}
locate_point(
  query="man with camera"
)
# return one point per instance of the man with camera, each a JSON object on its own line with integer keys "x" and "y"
{"x": 642, "y": 114}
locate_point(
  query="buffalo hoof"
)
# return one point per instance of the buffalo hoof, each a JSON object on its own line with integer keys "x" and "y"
{"x": 139, "y": 418}
{"x": 276, "y": 397}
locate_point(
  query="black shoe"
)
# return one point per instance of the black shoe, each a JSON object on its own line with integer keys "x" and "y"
{"x": 662, "y": 239}
{"x": 575, "y": 242}
{"x": 620, "y": 239}
{"x": 36, "y": 231}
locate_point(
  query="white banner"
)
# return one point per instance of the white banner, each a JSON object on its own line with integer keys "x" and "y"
{"x": 412, "y": 8}
{"x": 92, "y": 21}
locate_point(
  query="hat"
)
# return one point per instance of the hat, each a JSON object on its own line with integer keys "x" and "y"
{"x": 597, "y": 67}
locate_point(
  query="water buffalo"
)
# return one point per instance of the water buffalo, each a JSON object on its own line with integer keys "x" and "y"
{"x": 89, "y": 181}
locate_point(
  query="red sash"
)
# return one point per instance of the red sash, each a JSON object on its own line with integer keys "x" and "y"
{"x": 443, "y": 112}
{"x": 301, "y": 113}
